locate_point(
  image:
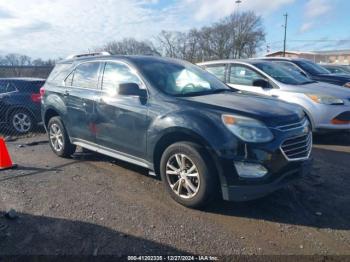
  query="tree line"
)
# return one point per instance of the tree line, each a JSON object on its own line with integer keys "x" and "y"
{"x": 239, "y": 35}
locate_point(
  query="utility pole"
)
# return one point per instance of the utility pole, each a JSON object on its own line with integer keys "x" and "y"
{"x": 285, "y": 33}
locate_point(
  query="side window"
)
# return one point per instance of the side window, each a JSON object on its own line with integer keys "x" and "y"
{"x": 218, "y": 71}
{"x": 69, "y": 79}
{"x": 6, "y": 87}
{"x": 241, "y": 75}
{"x": 86, "y": 75}
{"x": 116, "y": 74}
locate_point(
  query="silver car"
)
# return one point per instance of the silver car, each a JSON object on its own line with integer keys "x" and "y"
{"x": 327, "y": 106}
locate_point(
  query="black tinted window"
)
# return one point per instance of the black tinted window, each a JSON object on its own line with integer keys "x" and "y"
{"x": 6, "y": 87}
{"x": 28, "y": 86}
{"x": 116, "y": 74}
{"x": 218, "y": 71}
{"x": 86, "y": 75}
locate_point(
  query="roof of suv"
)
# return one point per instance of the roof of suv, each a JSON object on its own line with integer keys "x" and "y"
{"x": 130, "y": 58}
{"x": 29, "y": 79}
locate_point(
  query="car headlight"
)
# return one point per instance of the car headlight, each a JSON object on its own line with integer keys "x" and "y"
{"x": 324, "y": 99}
{"x": 247, "y": 129}
{"x": 347, "y": 85}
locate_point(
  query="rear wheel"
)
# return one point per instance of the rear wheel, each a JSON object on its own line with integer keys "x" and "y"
{"x": 22, "y": 121}
{"x": 188, "y": 175}
{"x": 58, "y": 138}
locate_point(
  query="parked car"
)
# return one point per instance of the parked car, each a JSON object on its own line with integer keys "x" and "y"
{"x": 337, "y": 69}
{"x": 179, "y": 121}
{"x": 312, "y": 70}
{"x": 327, "y": 106}
{"x": 20, "y": 103}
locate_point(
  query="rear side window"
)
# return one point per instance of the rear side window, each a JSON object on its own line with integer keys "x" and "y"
{"x": 86, "y": 75}
{"x": 6, "y": 87}
{"x": 218, "y": 71}
{"x": 116, "y": 74}
{"x": 59, "y": 73}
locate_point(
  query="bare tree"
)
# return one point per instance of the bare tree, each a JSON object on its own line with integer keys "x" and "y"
{"x": 237, "y": 36}
{"x": 129, "y": 46}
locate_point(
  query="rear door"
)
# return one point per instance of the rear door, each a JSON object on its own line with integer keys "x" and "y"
{"x": 82, "y": 88}
{"x": 6, "y": 90}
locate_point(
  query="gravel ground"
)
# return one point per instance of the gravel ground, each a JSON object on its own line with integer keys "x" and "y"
{"x": 95, "y": 205}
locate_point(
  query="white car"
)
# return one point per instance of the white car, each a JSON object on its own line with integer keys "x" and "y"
{"x": 327, "y": 106}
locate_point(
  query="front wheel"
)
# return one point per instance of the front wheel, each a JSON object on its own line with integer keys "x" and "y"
{"x": 58, "y": 138}
{"x": 188, "y": 175}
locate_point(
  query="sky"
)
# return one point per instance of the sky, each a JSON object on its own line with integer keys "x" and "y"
{"x": 58, "y": 28}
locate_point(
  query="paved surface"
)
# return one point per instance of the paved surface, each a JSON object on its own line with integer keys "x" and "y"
{"x": 96, "y": 205}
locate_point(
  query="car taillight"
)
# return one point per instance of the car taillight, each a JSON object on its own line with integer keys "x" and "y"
{"x": 36, "y": 98}
{"x": 42, "y": 91}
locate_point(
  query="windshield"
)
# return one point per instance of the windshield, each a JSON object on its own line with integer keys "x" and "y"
{"x": 282, "y": 74}
{"x": 180, "y": 79}
{"x": 312, "y": 68}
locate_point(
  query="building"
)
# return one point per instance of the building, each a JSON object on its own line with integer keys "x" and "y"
{"x": 331, "y": 57}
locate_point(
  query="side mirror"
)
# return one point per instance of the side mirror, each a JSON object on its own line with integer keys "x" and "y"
{"x": 261, "y": 83}
{"x": 131, "y": 89}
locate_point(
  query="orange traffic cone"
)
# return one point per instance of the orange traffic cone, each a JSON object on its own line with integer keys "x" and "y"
{"x": 5, "y": 159}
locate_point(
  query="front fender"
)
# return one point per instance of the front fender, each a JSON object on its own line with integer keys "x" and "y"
{"x": 207, "y": 128}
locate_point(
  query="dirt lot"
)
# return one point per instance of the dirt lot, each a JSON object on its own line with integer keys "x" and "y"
{"x": 96, "y": 205}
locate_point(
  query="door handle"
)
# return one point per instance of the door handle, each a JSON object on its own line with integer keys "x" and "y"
{"x": 66, "y": 93}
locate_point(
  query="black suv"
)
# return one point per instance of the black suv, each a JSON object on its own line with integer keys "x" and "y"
{"x": 178, "y": 121}
{"x": 312, "y": 70}
{"x": 20, "y": 103}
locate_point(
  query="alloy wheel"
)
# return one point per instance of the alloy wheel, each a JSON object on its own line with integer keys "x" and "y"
{"x": 56, "y": 137}
{"x": 183, "y": 176}
{"x": 21, "y": 122}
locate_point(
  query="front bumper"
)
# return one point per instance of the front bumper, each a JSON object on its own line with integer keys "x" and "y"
{"x": 246, "y": 192}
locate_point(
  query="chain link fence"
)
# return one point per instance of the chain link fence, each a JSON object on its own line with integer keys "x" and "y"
{"x": 20, "y": 100}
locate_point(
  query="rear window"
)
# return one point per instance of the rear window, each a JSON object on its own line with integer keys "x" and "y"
{"x": 28, "y": 86}
{"x": 59, "y": 73}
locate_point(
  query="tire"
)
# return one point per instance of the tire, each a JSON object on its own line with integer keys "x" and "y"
{"x": 202, "y": 187}
{"x": 58, "y": 138}
{"x": 21, "y": 121}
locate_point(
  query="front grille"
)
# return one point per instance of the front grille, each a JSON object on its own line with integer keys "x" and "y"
{"x": 297, "y": 148}
{"x": 294, "y": 125}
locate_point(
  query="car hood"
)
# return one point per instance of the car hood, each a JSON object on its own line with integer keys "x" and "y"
{"x": 321, "y": 88}
{"x": 340, "y": 77}
{"x": 271, "y": 111}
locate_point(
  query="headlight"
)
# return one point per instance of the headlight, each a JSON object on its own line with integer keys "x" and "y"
{"x": 324, "y": 99}
{"x": 247, "y": 129}
{"x": 347, "y": 85}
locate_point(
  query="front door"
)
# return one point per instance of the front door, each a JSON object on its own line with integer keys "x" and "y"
{"x": 122, "y": 121}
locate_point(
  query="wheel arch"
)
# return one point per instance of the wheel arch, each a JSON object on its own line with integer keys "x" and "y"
{"x": 174, "y": 135}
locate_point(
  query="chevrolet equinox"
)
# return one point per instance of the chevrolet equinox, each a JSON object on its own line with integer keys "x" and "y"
{"x": 203, "y": 138}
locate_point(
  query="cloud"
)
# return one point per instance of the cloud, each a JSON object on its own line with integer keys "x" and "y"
{"x": 206, "y": 9}
{"x": 52, "y": 28}
{"x": 5, "y": 14}
{"x": 317, "y": 8}
{"x": 313, "y": 11}
{"x": 306, "y": 27}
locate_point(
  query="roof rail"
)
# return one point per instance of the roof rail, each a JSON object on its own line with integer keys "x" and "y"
{"x": 88, "y": 54}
